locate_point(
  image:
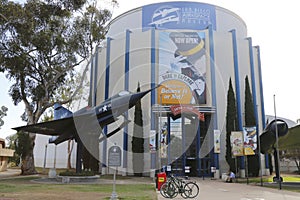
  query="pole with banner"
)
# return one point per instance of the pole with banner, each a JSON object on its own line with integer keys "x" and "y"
{"x": 237, "y": 146}
{"x": 250, "y": 145}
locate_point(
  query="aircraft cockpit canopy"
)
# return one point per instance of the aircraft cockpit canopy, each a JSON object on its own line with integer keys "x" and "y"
{"x": 120, "y": 94}
{"x": 123, "y": 93}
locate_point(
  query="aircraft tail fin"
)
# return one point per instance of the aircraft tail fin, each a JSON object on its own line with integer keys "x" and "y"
{"x": 61, "y": 112}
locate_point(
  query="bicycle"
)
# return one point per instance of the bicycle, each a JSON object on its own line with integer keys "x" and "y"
{"x": 173, "y": 186}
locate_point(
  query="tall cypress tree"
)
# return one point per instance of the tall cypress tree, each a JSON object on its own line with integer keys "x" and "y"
{"x": 138, "y": 139}
{"x": 249, "y": 107}
{"x": 253, "y": 160}
{"x": 231, "y": 124}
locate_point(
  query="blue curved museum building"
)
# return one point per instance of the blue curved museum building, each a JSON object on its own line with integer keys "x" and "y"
{"x": 191, "y": 50}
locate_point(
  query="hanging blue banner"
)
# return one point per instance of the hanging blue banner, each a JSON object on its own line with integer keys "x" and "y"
{"x": 179, "y": 15}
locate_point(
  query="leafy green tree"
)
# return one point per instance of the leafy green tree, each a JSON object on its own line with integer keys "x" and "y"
{"x": 231, "y": 124}
{"x": 23, "y": 147}
{"x": 15, "y": 160}
{"x": 3, "y": 111}
{"x": 138, "y": 139}
{"x": 42, "y": 42}
{"x": 289, "y": 146}
{"x": 253, "y": 160}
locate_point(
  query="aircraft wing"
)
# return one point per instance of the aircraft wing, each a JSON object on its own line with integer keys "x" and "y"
{"x": 53, "y": 128}
{"x": 63, "y": 128}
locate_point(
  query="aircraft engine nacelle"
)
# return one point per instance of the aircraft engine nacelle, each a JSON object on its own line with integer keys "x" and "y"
{"x": 268, "y": 137}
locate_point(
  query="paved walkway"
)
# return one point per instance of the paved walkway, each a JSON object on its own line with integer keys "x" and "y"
{"x": 10, "y": 173}
{"x": 219, "y": 190}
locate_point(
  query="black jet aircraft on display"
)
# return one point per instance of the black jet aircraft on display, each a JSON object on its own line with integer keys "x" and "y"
{"x": 67, "y": 125}
{"x": 87, "y": 125}
{"x": 275, "y": 129}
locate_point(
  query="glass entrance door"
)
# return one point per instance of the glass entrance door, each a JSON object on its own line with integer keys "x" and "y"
{"x": 182, "y": 140}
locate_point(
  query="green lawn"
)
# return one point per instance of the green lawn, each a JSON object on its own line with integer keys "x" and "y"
{"x": 25, "y": 188}
{"x": 286, "y": 178}
{"x": 268, "y": 180}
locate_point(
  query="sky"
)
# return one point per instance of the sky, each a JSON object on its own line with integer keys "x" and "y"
{"x": 273, "y": 25}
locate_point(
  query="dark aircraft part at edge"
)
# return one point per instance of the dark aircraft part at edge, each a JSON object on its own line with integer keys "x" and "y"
{"x": 268, "y": 137}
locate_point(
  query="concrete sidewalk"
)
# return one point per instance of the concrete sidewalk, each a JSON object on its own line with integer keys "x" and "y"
{"x": 217, "y": 189}
{"x": 10, "y": 173}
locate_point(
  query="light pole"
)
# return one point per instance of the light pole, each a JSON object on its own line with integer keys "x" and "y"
{"x": 45, "y": 158}
{"x": 259, "y": 155}
{"x": 277, "y": 151}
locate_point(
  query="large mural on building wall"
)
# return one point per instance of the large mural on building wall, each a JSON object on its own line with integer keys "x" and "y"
{"x": 182, "y": 68}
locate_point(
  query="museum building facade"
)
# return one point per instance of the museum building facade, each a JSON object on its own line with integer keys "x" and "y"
{"x": 189, "y": 51}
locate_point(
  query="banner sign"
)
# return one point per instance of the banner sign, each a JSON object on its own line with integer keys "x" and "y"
{"x": 178, "y": 109}
{"x": 250, "y": 140}
{"x": 217, "y": 146}
{"x": 179, "y": 15}
{"x": 182, "y": 68}
{"x": 152, "y": 143}
{"x": 163, "y": 140}
{"x": 236, "y": 140}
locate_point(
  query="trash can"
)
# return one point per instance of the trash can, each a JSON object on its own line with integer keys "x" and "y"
{"x": 161, "y": 179}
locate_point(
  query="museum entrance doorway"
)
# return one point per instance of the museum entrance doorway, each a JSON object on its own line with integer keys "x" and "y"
{"x": 183, "y": 145}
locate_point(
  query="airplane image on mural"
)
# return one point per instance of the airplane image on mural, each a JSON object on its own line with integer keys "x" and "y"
{"x": 163, "y": 16}
{"x": 67, "y": 125}
{"x": 165, "y": 12}
{"x": 172, "y": 18}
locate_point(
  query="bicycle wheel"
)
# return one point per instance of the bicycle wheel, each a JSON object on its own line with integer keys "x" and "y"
{"x": 191, "y": 190}
{"x": 164, "y": 190}
{"x": 168, "y": 190}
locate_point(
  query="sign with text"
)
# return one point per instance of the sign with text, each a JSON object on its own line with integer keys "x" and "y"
{"x": 179, "y": 15}
{"x": 178, "y": 109}
{"x": 114, "y": 156}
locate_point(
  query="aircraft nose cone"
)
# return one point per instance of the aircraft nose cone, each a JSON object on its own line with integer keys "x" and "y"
{"x": 282, "y": 127}
{"x": 136, "y": 97}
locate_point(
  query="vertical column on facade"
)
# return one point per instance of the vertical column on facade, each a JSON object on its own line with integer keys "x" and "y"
{"x": 183, "y": 135}
{"x": 169, "y": 140}
{"x": 263, "y": 119}
{"x": 254, "y": 96}
{"x": 238, "y": 93}
{"x": 213, "y": 90}
{"x": 92, "y": 84}
{"x": 198, "y": 147}
{"x": 153, "y": 96}
{"x": 126, "y": 87}
{"x": 107, "y": 74}
{"x": 94, "y": 102}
